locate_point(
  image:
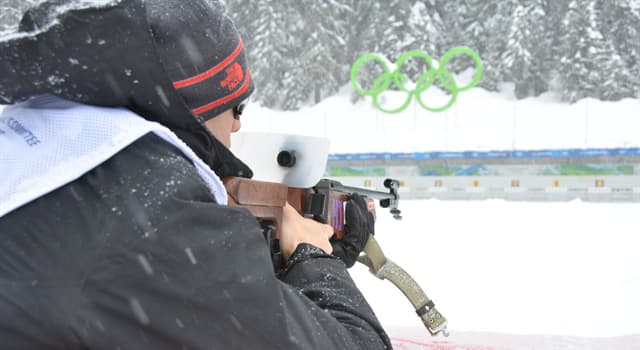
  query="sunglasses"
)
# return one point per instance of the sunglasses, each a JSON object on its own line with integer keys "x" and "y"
{"x": 239, "y": 108}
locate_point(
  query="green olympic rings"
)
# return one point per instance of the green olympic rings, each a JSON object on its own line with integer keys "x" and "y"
{"x": 424, "y": 82}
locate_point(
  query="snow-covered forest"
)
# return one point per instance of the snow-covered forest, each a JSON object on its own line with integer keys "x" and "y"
{"x": 301, "y": 51}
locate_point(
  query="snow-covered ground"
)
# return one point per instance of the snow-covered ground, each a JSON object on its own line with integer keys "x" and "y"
{"x": 479, "y": 120}
{"x": 514, "y": 267}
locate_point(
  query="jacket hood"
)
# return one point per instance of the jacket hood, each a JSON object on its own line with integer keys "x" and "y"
{"x": 105, "y": 56}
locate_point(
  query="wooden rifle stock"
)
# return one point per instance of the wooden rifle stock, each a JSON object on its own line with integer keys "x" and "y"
{"x": 323, "y": 202}
{"x": 265, "y": 200}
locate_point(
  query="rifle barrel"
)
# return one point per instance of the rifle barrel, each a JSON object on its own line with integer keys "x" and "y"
{"x": 367, "y": 192}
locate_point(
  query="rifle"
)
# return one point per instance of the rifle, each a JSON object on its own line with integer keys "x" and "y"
{"x": 324, "y": 202}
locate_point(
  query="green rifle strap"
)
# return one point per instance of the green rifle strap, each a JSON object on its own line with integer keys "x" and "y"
{"x": 383, "y": 268}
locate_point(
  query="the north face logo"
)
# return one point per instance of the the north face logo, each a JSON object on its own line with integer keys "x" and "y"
{"x": 234, "y": 77}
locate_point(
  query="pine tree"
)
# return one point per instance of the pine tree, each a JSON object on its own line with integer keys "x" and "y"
{"x": 450, "y": 12}
{"x": 478, "y": 15}
{"x": 297, "y": 48}
{"x": 497, "y": 16}
{"x": 363, "y": 33}
{"x": 527, "y": 53}
{"x": 266, "y": 28}
{"x": 557, "y": 10}
{"x": 620, "y": 25}
{"x": 617, "y": 83}
{"x": 323, "y": 45}
{"x": 589, "y": 67}
{"x": 427, "y": 28}
{"x": 635, "y": 52}
{"x": 454, "y": 14}
{"x": 578, "y": 73}
{"x": 393, "y": 19}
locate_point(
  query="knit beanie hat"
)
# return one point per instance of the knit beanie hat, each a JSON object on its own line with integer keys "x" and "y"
{"x": 202, "y": 54}
{"x": 199, "y": 49}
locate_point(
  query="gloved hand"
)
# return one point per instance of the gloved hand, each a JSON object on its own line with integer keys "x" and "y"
{"x": 359, "y": 223}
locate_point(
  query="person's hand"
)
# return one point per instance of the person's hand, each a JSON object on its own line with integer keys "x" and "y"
{"x": 359, "y": 223}
{"x": 297, "y": 229}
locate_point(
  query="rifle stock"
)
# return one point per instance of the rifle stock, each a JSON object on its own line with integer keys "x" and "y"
{"x": 325, "y": 203}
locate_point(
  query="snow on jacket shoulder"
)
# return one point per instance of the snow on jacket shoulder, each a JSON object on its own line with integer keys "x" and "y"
{"x": 136, "y": 254}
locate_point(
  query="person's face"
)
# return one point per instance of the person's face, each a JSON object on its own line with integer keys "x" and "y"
{"x": 223, "y": 125}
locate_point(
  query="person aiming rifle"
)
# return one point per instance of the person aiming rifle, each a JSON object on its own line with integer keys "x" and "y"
{"x": 114, "y": 228}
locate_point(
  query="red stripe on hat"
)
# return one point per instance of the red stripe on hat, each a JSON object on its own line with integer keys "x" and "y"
{"x": 225, "y": 99}
{"x": 211, "y": 72}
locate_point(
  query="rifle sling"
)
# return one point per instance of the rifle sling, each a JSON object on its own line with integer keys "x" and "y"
{"x": 384, "y": 268}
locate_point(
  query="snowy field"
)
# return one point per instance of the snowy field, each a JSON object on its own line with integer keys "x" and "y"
{"x": 479, "y": 120}
{"x": 514, "y": 267}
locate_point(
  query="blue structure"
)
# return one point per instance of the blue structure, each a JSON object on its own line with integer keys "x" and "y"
{"x": 535, "y": 154}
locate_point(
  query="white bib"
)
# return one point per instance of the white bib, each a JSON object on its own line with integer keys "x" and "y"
{"x": 48, "y": 142}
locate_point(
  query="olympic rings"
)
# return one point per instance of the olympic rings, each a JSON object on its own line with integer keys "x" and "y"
{"x": 424, "y": 82}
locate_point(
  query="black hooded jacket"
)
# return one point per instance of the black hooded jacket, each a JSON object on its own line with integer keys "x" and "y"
{"x": 136, "y": 253}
